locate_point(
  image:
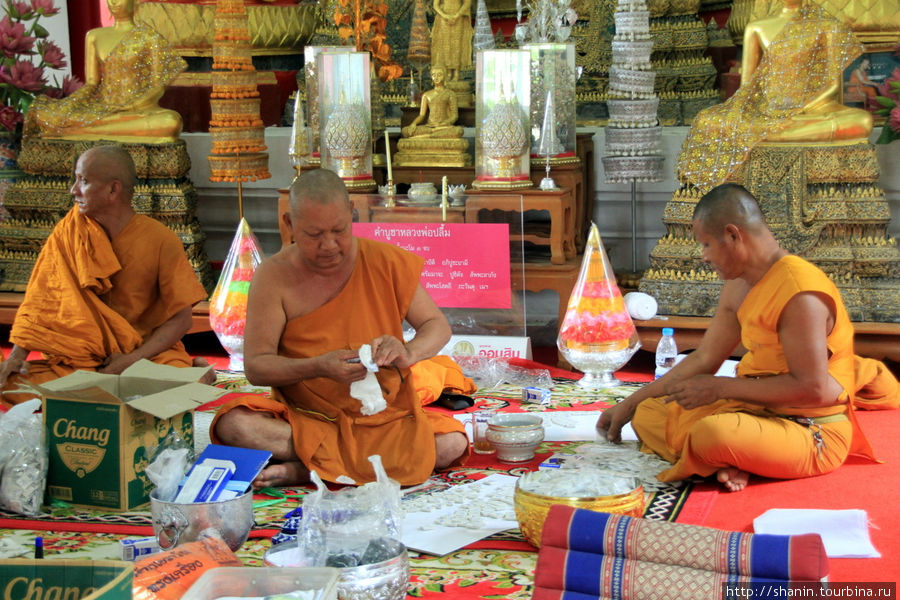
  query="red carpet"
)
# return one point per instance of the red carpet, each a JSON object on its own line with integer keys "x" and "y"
{"x": 858, "y": 484}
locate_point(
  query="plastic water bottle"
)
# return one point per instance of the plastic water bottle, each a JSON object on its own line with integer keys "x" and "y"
{"x": 666, "y": 351}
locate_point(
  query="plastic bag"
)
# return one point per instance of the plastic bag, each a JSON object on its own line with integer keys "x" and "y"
{"x": 171, "y": 459}
{"x": 352, "y": 526}
{"x": 23, "y": 459}
{"x": 228, "y": 302}
{"x": 491, "y": 372}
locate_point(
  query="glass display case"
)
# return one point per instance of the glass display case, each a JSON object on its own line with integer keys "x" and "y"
{"x": 502, "y": 129}
{"x": 553, "y": 76}
{"x": 311, "y": 77}
{"x": 345, "y": 128}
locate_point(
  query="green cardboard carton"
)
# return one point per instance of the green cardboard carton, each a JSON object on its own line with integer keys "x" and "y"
{"x": 69, "y": 579}
{"x": 100, "y": 428}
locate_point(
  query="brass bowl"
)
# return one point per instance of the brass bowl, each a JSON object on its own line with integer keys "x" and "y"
{"x": 531, "y": 508}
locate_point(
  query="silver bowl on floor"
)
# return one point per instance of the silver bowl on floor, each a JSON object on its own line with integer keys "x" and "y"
{"x": 385, "y": 580}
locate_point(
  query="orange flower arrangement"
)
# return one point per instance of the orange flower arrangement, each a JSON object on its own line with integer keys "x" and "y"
{"x": 365, "y": 21}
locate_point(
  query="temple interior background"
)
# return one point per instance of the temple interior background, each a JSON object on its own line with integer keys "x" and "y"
{"x": 695, "y": 72}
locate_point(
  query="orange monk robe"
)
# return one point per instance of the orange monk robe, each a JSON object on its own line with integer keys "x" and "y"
{"x": 330, "y": 434}
{"x": 731, "y": 433}
{"x": 439, "y": 375}
{"x": 90, "y": 296}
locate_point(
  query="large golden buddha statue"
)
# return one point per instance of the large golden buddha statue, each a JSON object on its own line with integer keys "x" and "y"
{"x": 126, "y": 69}
{"x": 438, "y": 110}
{"x": 790, "y": 93}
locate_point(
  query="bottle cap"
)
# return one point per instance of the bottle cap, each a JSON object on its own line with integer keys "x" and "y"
{"x": 668, "y": 331}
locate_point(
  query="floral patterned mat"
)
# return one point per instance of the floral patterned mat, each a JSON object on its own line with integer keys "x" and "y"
{"x": 498, "y": 567}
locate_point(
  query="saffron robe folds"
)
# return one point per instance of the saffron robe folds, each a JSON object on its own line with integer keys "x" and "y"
{"x": 732, "y": 433}
{"x": 89, "y": 296}
{"x": 330, "y": 434}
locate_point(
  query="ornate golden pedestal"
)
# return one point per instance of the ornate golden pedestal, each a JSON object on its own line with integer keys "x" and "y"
{"x": 822, "y": 202}
{"x": 41, "y": 198}
{"x": 433, "y": 152}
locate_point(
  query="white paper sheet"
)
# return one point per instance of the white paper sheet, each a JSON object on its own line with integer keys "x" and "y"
{"x": 440, "y": 540}
{"x": 845, "y": 533}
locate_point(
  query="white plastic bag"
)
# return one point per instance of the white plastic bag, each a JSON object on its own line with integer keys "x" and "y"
{"x": 23, "y": 459}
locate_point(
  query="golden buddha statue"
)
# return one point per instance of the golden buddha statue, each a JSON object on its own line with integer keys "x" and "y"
{"x": 790, "y": 92}
{"x": 126, "y": 69}
{"x": 451, "y": 36}
{"x": 433, "y": 138}
{"x": 439, "y": 106}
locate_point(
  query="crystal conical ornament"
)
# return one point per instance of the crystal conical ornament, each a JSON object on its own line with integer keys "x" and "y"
{"x": 484, "y": 37}
{"x": 228, "y": 303}
{"x": 597, "y": 335}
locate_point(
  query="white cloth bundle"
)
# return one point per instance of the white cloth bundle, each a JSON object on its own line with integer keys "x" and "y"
{"x": 368, "y": 390}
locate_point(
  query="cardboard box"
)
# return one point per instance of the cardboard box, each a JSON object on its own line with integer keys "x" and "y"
{"x": 100, "y": 428}
{"x": 70, "y": 579}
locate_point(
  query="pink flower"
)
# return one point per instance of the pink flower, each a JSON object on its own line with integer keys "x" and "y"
{"x": 20, "y": 10}
{"x": 894, "y": 119}
{"x": 885, "y": 88}
{"x": 45, "y": 8}
{"x": 9, "y": 118}
{"x": 70, "y": 84}
{"x": 52, "y": 54}
{"x": 13, "y": 40}
{"x": 24, "y": 76}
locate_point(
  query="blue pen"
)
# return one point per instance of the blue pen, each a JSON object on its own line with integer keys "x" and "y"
{"x": 39, "y": 547}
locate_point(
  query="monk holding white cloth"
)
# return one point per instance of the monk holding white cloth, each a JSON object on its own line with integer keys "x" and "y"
{"x": 311, "y": 307}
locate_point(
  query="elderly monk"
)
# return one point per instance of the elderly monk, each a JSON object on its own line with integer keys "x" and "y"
{"x": 109, "y": 288}
{"x": 311, "y": 307}
{"x": 788, "y": 413}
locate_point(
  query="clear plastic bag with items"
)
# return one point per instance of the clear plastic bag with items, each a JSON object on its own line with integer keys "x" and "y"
{"x": 171, "y": 460}
{"x": 492, "y": 372}
{"x": 23, "y": 459}
{"x": 351, "y": 526}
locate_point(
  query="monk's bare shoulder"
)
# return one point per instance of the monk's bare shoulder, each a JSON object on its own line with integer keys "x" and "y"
{"x": 733, "y": 293}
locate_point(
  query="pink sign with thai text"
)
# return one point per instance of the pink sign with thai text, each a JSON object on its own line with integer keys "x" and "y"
{"x": 466, "y": 264}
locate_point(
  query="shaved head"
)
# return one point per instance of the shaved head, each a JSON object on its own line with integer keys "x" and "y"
{"x": 320, "y": 186}
{"x": 114, "y": 162}
{"x": 726, "y": 204}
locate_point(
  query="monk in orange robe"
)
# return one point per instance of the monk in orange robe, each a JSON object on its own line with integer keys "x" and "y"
{"x": 311, "y": 307}
{"x": 789, "y": 412}
{"x": 109, "y": 288}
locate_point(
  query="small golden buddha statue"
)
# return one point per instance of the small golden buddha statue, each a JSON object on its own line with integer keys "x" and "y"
{"x": 451, "y": 36}
{"x": 433, "y": 138}
{"x": 790, "y": 92}
{"x": 126, "y": 72}
{"x": 439, "y": 107}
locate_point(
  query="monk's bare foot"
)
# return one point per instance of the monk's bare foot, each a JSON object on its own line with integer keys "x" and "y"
{"x": 733, "y": 478}
{"x": 282, "y": 474}
{"x": 210, "y": 377}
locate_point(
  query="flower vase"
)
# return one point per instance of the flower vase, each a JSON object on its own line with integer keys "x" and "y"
{"x": 10, "y": 143}
{"x": 597, "y": 335}
{"x": 228, "y": 302}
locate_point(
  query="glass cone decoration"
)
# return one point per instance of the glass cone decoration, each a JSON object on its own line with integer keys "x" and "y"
{"x": 228, "y": 303}
{"x": 597, "y": 335}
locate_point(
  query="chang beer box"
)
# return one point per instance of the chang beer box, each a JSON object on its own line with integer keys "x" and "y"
{"x": 100, "y": 429}
{"x": 66, "y": 579}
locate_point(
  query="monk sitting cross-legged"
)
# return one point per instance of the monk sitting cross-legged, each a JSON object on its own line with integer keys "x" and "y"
{"x": 109, "y": 288}
{"x": 788, "y": 413}
{"x": 311, "y": 307}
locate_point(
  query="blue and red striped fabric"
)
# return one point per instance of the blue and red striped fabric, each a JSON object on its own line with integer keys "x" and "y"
{"x": 586, "y": 554}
